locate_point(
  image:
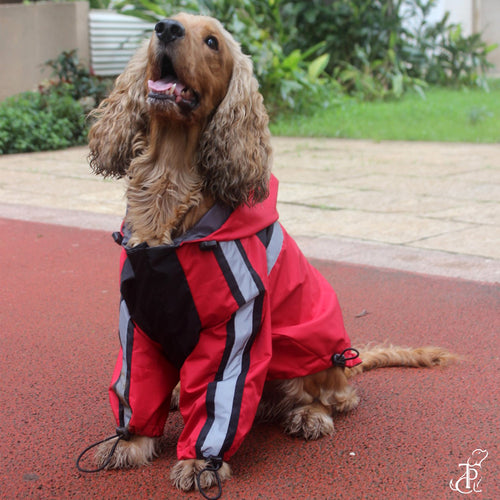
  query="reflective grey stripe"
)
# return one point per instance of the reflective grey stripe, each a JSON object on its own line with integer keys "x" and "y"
{"x": 225, "y": 389}
{"x": 239, "y": 268}
{"x": 274, "y": 247}
{"x": 122, "y": 385}
{"x": 225, "y": 394}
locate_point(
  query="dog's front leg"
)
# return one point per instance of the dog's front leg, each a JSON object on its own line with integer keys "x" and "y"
{"x": 134, "y": 452}
{"x": 185, "y": 473}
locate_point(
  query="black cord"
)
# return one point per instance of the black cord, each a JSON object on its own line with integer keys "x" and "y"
{"x": 213, "y": 465}
{"x": 340, "y": 359}
{"x": 118, "y": 438}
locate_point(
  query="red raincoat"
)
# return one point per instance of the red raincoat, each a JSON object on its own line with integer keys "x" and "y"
{"x": 231, "y": 304}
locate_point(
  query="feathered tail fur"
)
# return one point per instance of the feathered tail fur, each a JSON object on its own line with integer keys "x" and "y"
{"x": 386, "y": 356}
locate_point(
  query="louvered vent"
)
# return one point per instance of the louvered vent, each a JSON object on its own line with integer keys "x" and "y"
{"x": 113, "y": 39}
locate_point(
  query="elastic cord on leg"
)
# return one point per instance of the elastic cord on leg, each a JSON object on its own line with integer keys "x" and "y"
{"x": 118, "y": 438}
{"x": 213, "y": 465}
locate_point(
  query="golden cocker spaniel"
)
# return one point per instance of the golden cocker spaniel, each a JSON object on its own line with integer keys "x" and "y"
{"x": 186, "y": 126}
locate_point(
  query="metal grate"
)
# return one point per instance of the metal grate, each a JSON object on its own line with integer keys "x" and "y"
{"x": 113, "y": 40}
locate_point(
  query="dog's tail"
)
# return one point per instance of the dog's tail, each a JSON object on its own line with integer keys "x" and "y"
{"x": 386, "y": 356}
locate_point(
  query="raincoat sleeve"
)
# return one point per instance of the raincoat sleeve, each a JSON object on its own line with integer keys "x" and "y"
{"x": 223, "y": 377}
{"x": 143, "y": 379}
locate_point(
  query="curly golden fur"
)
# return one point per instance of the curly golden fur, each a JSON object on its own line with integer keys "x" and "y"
{"x": 178, "y": 162}
{"x": 183, "y": 147}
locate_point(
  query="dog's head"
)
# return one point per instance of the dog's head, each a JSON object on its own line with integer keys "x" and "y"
{"x": 191, "y": 75}
{"x": 189, "y": 68}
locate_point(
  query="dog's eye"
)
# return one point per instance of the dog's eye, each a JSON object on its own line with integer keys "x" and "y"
{"x": 212, "y": 42}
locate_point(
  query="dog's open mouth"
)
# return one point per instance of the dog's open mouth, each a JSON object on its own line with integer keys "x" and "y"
{"x": 171, "y": 88}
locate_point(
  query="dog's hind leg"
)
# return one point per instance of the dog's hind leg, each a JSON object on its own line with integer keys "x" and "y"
{"x": 310, "y": 421}
{"x": 335, "y": 390}
{"x": 308, "y": 402}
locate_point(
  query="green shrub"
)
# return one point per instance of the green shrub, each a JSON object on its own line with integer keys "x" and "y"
{"x": 67, "y": 69}
{"x": 53, "y": 117}
{"x": 382, "y": 48}
{"x": 33, "y": 121}
{"x": 99, "y": 4}
{"x": 372, "y": 48}
{"x": 452, "y": 59}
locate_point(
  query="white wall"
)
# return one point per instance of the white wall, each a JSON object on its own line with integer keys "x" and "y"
{"x": 30, "y": 34}
{"x": 460, "y": 12}
{"x": 489, "y": 21}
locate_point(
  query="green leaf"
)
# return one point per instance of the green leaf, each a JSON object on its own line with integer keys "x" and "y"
{"x": 140, "y": 14}
{"x": 292, "y": 60}
{"x": 397, "y": 85}
{"x": 491, "y": 47}
{"x": 317, "y": 66}
{"x": 311, "y": 50}
{"x": 154, "y": 7}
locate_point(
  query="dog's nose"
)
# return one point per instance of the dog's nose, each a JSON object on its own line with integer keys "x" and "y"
{"x": 169, "y": 30}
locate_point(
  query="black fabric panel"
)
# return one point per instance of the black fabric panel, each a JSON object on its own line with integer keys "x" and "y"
{"x": 157, "y": 294}
{"x": 265, "y": 235}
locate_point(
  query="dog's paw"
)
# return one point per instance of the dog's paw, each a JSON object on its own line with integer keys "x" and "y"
{"x": 174, "y": 399}
{"x": 184, "y": 474}
{"x": 345, "y": 400}
{"x": 310, "y": 422}
{"x": 137, "y": 451}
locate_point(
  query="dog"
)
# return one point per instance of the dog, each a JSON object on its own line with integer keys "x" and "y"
{"x": 215, "y": 293}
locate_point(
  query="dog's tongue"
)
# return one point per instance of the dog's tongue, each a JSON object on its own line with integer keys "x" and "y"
{"x": 165, "y": 86}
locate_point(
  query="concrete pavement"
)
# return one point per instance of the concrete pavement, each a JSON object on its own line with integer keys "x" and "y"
{"x": 426, "y": 207}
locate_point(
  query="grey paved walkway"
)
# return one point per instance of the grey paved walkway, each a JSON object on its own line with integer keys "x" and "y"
{"x": 424, "y": 207}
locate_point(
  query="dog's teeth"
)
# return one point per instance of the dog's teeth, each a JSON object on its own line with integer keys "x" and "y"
{"x": 172, "y": 89}
{"x": 187, "y": 93}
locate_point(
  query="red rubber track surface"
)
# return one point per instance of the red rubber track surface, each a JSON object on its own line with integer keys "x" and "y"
{"x": 59, "y": 316}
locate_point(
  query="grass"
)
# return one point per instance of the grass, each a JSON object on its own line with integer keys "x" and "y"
{"x": 447, "y": 115}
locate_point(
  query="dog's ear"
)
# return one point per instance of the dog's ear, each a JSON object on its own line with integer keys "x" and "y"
{"x": 120, "y": 131}
{"x": 235, "y": 151}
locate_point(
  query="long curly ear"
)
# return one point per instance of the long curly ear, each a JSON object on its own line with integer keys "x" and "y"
{"x": 119, "y": 133}
{"x": 235, "y": 150}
